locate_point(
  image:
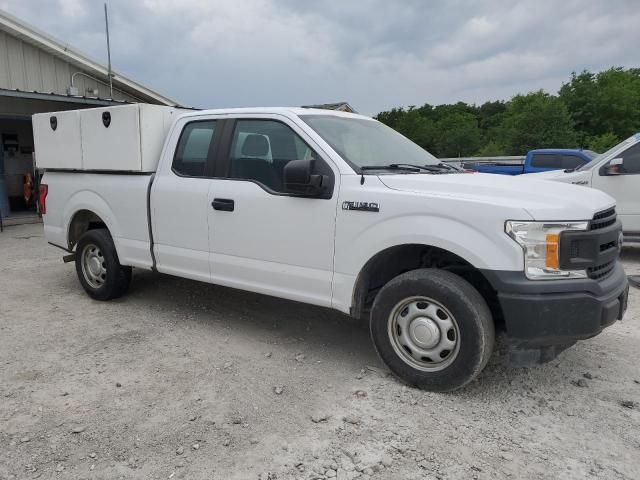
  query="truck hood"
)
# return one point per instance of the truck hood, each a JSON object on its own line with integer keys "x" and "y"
{"x": 543, "y": 200}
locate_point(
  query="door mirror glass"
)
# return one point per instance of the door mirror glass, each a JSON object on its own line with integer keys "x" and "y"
{"x": 614, "y": 167}
{"x": 299, "y": 178}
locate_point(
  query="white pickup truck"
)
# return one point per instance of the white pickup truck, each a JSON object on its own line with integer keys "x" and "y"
{"x": 617, "y": 173}
{"x": 337, "y": 210}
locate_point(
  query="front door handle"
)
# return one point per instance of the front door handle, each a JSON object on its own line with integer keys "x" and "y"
{"x": 224, "y": 204}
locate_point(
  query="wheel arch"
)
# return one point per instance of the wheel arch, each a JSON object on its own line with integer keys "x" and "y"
{"x": 81, "y": 222}
{"x": 85, "y": 211}
{"x": 395, "y": 260}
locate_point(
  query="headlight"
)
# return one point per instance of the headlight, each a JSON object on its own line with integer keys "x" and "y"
{"x": 540, "y": 242}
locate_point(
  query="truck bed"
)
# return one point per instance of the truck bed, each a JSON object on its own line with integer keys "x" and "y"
{"x": 501, "y": 169}
{"x": 122, "y": 197}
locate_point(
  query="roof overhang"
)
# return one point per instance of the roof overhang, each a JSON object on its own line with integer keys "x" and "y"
{"x": 39, "y": 39}
{"x": 58, "y": 98}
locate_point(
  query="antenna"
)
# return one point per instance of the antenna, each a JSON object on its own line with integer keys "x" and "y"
{"x": 109, "y": 74}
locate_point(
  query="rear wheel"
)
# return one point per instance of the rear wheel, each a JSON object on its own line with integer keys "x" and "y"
{"x": 98, "y": 267}
{"x": 433, "y": 329}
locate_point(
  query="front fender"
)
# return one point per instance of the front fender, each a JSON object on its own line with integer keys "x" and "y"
{"x": 489, "y": 249}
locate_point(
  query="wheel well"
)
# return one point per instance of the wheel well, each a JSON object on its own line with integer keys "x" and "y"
{"x": 397, "y": 260}
{"x": 82, "y": 221}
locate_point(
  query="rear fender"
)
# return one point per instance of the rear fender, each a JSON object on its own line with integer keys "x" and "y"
{"x": 91, "y": 201}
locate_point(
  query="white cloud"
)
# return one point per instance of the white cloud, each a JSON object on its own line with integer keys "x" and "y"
{"x": 74, "y": 8}
{"x": 373, "y": 53}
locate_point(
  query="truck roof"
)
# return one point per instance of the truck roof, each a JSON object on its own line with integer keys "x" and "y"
{"x": 276, "y": 110}
{"x": 588, "y": 153}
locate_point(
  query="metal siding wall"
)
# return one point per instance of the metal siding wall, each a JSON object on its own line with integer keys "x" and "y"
{"x": 32, "y": 68}
{"x": 4, "y": 61}
{"x": 48, "y": 72}
{"x": 16, "y": 63}
{"x": 63, "y": 76}
{"x": 28, "y": 68}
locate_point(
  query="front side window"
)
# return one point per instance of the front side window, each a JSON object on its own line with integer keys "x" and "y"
{"x": 260, "y": 149}
{"x": 193, "y": 148}
{"x": 630, "y": 160}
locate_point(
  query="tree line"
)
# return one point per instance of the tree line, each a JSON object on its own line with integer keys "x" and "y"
{"x": 592, "y": 110}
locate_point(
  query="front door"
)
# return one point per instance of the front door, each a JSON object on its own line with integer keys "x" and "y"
{"x": 261, "y": 237}
{"x": 624, "y": 187}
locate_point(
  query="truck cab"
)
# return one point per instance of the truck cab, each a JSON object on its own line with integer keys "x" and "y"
{"x": 617, "y": 173}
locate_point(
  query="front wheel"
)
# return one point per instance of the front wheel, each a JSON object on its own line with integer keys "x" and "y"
{"x": 433, "y": 329}
{"x": 98, "y": 267}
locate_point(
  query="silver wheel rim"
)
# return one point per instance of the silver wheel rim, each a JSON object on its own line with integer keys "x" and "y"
{"x": 424, "y": 334}
{"x": 94, "y": 267}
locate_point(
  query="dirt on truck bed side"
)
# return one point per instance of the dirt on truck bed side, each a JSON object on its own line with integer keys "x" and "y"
{"x": 186, "y": 380}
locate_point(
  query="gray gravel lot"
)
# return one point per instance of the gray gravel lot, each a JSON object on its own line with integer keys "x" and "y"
{"x": 186, "y": 380}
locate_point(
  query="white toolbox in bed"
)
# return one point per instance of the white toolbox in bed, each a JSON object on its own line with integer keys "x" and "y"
{"x": 123, "y": 138}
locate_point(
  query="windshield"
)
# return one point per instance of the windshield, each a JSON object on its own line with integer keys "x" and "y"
{"x": 363, "y": 142}
{"x": 620, "y": 146}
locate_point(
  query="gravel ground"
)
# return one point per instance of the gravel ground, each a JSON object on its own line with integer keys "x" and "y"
{"x": 185, "y": 380}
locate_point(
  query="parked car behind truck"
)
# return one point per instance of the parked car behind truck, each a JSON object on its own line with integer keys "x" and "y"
{"x": 541, "y": 160}
{"x": 617, "y": 173}
{"x": 337, "y": 210}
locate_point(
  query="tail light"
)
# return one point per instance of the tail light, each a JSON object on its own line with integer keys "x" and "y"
{"x": 44, "y": 190}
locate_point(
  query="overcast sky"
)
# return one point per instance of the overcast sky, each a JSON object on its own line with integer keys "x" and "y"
{"x": 375, "y": 54}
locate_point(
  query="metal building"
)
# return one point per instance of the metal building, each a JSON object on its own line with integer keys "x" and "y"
{"x": 41, "y": 74}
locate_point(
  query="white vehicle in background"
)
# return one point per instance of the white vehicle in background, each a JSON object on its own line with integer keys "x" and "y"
{"x": 336, "y": 210}
{"x": 616, "y": 172}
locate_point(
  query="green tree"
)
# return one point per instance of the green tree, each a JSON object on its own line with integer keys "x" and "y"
{"x": 607, "y": 102}
{"x": 591, "y": 110}
{"x": 458, "y": 135}
{"x": 490, "y": 114}
{"x": 535, "y": 120}
{"x": 491, "y": 149}
{"x": 411, "y": 124}
{"x": 602, "y": 143}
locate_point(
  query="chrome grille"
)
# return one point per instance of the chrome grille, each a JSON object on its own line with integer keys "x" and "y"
{"x": 603, "y": 219}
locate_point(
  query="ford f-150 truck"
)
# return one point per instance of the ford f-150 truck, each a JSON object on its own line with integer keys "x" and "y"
{"x": 617, "y": 173}
{"x": 541, "y": 160}
{"x": 337, "y": 210}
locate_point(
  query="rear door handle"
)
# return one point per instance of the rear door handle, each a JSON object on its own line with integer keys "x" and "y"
{"x": 224, "y": 204}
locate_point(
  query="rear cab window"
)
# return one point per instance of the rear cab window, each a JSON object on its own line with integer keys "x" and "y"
{"x": 546, "y": 160}
{"x": 194, "y": 148}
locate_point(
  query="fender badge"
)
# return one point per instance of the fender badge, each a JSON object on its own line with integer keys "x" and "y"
{"x": 361, "y": 206}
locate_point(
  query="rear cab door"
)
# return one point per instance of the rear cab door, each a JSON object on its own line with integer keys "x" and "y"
{"x": 179, "y": 208}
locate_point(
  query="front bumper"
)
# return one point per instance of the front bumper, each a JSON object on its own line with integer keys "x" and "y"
{"x": 542, "y": 318}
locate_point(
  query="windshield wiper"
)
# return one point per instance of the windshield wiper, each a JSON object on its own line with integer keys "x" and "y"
{"x": 410, "y": 167}
{"x": 405, "y": 167}
{"x": 447, "y": 167}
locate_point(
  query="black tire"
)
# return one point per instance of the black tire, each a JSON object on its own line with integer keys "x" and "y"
{"x": 466, "y": 309}
{"x": 115, "y": 280}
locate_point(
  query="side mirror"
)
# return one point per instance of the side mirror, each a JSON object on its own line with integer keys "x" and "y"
{"x": 298, "y": 178}
{"x": 614, "y": 167}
